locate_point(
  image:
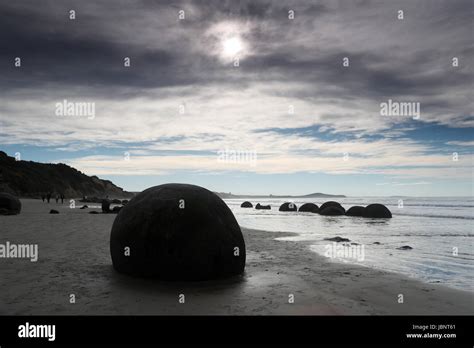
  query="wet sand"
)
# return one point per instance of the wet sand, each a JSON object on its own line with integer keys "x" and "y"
{"x": 74, "y": 259}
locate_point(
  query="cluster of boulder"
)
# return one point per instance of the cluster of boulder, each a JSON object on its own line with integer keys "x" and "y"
{"x": 9, "y": 204}
{"x": 106, "y": 206}
{"x": 100, "y": 200}
{"x": 331, "y": 208}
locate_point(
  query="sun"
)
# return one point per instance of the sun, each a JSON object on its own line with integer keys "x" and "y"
{"x": 228, "y": 40}
{"x": 231, "y": 47}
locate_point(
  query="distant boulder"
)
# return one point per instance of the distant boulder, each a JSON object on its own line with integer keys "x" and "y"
{"x": 331, "y": 211}
{"x": 105, "y": 206}
{"x": 9, "y": 204}
{"x": 246, "y": 204}
{"x": 94, "y": 212}
{"x": 264, "y": 207}
{"x": 84, "y": 207}
{"x": 177, "y": 232}
{"x": 356, "y": 210}
{"x": 52, "y": 211}
{"x": 309, "y": 207}
{"x": 288, "y": 206}
{"x": 377, "y": 211}
{"x": 338, "y": 239}
{"x": 116, "y": 209}
{"x": 405, "y": 247}
{"x": 331, "y": 204}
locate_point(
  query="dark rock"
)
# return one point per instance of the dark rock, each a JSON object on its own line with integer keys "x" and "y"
{"x": 331, "y": 204}
{"x": 9, "y": 204}
{"x": 125, "y": 201}
{"x": 105, "y": 206}
{"x": 177, "y": 232}
{"x": 288, "y": 206}
{"x": 331, "y": 211}
{"x": 377, "y": 211}
{"x": 338, "y": 239}
{"x": 116, "y": 209}
{"x": 356, "y": 210}
{"x": 309, "y": 207}
{"x": 84, "y": 207}
{"x": 264, "y": 207}
{"x": 246, "y": 204}
{"x": 378, "y": 243}
{"x": 52, "y": 211}
{"x": 94, "y": 212}
{"x": 405, "y": 247}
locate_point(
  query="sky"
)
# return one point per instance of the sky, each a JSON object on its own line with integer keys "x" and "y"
{"x": 248, "y": 97}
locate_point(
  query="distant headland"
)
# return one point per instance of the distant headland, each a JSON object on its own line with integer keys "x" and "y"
{"x": 33, "y": 179}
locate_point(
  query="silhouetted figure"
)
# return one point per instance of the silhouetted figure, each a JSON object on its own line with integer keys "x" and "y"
{"x": 43, "y": 197}
{"x": 48, "y": 196}
{"x": 62, "y": 198}
{"x": 57, "y": 199}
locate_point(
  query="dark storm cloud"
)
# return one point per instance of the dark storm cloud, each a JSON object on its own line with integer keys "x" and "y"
{"x": 56, "y": 50}
{"x": 89, "y": 52}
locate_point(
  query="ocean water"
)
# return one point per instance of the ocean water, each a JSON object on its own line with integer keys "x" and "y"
{"x": 440, "y": 231}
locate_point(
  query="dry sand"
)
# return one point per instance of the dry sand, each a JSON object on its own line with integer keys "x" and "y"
{"x": 74, "y": 259}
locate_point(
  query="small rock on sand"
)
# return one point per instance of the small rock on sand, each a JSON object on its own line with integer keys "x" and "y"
{"x": 338, "y": 239}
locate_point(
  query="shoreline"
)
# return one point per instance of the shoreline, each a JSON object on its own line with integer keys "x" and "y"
{"x": 74, "y": 259}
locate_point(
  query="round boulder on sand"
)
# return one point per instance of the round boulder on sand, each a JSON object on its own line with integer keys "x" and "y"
{"x": 331, "y": 211}
{"x": 288, "y": 206}
{"x": 377, "y": 211}
{"x": 9, "y": 204}
{"x": 331, "y": 204}
{"x": 309, "y": 207}
{"x": 177, "y": 232}
{"x": 356, "y": 210}
{"x": 264, "y": 207}
{"x": 246, "y": 204}
{"x": 105, "y": 206}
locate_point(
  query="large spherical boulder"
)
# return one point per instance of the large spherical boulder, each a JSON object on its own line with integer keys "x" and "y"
{"x": 377, "y": 211}
{"x": 309, "y": 207}
{"x": 288, "y": 206}
{"x": 331, "y": 204}
{"x": 331, "y": 211}
{"x": 356, "y": 210}
{"x": 246, "y": 204}
{"x": 9, "y": 204}
{"x": 177, "y": 232}
{"x": 264, "y": 207}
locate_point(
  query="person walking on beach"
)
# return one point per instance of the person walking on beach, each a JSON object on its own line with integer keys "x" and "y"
{"x": 43, "y": 197}
{"x": 57, "y": 198}
{"x": 62, "y": 198}
{"x": 48, "y": 197}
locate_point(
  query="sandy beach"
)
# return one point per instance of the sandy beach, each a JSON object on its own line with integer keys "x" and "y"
{"x": 74, "y": 258}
